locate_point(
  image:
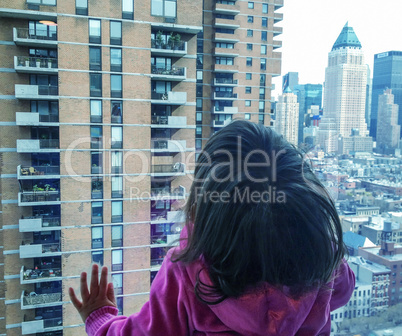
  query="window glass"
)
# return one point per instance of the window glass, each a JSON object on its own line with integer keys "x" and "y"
{"x": 248, "y": 102}
{"x": 264, "y": 8}
{"x": 117, "y": 137}
{"x": 117, "y": 260}
{"x": 249, "y": 61}
{"x": 117, "y": 235}
{"x": 94, "y": 58}
{"x": 263, "y": 64}
{"x": 247, "y": 116}
{"x": 97, "y": 257}
{"x": 263, "y": 35}
{"x": 117, "y": 211}
{"x": 94, "y": 28}
{"x": 170, "y": 8}
{"x": 248, "y": 89}
{"x": 116, "y": 86}
{"x": 249, "y": 32}
{"x": 117, "y": 280}
{"x": 264, "y": 22}
{"x": 251, "y": 5}
{"x": 117, "y": 112}
{"x": 117, "y": 161}
{"x": 81, "y": 7}
{"x": 263, "y": 49}
{"x": 95, "y": 84}
{"x": 157, "y": 7}
{"x": 248, "y": 76}
{"x": 115, "y": 59}
{"x": 249, "y": 46}
{"x": 97, "y": 237}
{"x": 128, "y": 6}
{"x": 115, "y": 32}
{"x": 97, "y": 212}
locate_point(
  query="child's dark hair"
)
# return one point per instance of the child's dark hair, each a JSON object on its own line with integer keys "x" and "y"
{"x": 257, "y": 213}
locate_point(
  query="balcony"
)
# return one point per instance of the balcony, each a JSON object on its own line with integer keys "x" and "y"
{"x": 278, "y": 4}
{"x": 278, "y": 31}
{"x": 36, "y": 119}
{"x": 27, "y": 37}
{"x": 164, "y": 145}
{"x": 40, "y": 250}
{"x": 226, "y": 68}
{"x": 32, "y": 198}
{"x": 226, "y": 52}
{"x": 165, "y": 239}
{"x": 225, "y": 82}
{"x": 278, "y": 17}
{"x": 175, "y": 74}
{"x": 225, "y": 23}
{"x": 222, "y": 37}
{"x": 221, "y": 123}
{"x": 169, "y": 98}
{"x": 37, "y": 326}
{"x": 28, "y": 276}
{"x": 175, "y": 169}
{"x": 33, "y": 300}
{"x": 35, "y": 65}
{"x": 227, "y": 9}
{"x": 165, "y": 193}
{"x": 223, "y": 95}
{"x": 38, "y": 145}
{"x": 225, "y": 109}
{"x": 276, "y": 44}
{"x": 38, "y": 172}
{"x": 39, "y": 223}
{"x": 168, "y": 217}
{"x": 36, "y": 92}
{"x": 168, "y": 122}
{"x": 164, "y": 49}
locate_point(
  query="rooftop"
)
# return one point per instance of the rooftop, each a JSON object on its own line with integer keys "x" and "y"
{"x": 347, "y": 38}
{"x": 372, "y": 266}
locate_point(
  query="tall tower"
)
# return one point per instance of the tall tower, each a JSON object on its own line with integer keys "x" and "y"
{"x": 287, "y": 116}
{"x": 388, "y": 130}
{"x": 386, "y": 74}
{"x": 97, "y": 111}
{"x": 290, "y": 80}
{"x": 345, "y": 95}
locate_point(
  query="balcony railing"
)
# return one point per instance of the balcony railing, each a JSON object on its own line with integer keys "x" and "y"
{"x": 26, "y": 171}
{"x": 39, "y": 300}
{"x": 164, "y": 239}
{"x": 170, "y": 216}
{"x": 43, "y": 274}
{"x": 170, "y": 71}
{"x": 35, "y": 63}
{"x": 23, "y": 91}
{"x": 168, "y": 168}
{"x": 38, "y": 325}
{"x": 223, "y": 94}
{"x": 169, "y": 145}
{"x": 39, "y": 223}
{"x": 221, "y": 123}
{"x": 166, "y": 191}
{"x": 170, "y": 121}
{"x": 26, "y": 33}
{"x": 159, "y": 44}
{"x": 39, "y": 196}
{"x": 229, "y": 81}
{"x": 170, "y": 97}
{"x": 39, "y": 250}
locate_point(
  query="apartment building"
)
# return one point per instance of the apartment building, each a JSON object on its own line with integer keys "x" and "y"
{"x": 97, "y": 148}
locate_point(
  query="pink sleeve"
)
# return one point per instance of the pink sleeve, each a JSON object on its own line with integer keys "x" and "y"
{"x": 166, "y": 312}
{"x": 344, "y": 284}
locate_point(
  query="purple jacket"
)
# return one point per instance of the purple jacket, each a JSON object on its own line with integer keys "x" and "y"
{"x": 173, "y": 309}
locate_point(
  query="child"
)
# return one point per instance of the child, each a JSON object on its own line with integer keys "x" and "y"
{"x": 263, "y": 256}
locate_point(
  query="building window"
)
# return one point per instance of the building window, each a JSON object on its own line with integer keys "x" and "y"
{"x": 128, "y": 9}
{"x": 117, "y": 280}
{"x": 249, "y": 46}
{"x": 119, "y": 302}
{"x": 249, "y": 76}
{"x": 263, "y": 49}
{"x": 247, "y": 103}
{"x": 117, "y": 235}
{"x": 166, "y": 8}
{"x": 42, "y": 2}
{"x": 42, "y": 31}
{"x": 117, "y": 260}
{"x": 117, "y": 186}
{"x": 265, "y": 8}
{"x": 95, "y": 85}
{"x": 97, "y": 212}
{"x": 198, "y": 116}
{"x": 262, "y": 93}
{"x": 117, "y": 112}
{"x": 115, "y": 60}
{"x": 198, "y": 130}
{"x": 96, "y": 111}
{"x": 263, "y": 63}
{"x": 224, "y": 60}
{"x": 97, "y": 257}
{"x": 117, "y": 211}
{"x": 250, "y": 19}
{"x": 97, "y": 237}
{"x": 249, "y": 32}
{"x": 264, "y": 22}
{"x": 94, "y": 31}
{"x": 248, "y": 89}
{"x": 117, "y": 162}
{"x": 262, "y": 79}
{"x": 263, "y": 36}
{"x": 116, "y": 86}
{"x": 261, "y": 118}
{"x": 224, "y": 30}
{"x": 249, "y": 61}
{"x": 251, "y": 5}
{"x": 95, "y": 58}
{"x": 247, "y": 116}
{"x": 115, "y": 33}
{"x": 96, "y": 137}
{"x": 117, "y": 137}
{"x": 81, "y": 7}
{"x": 224, "y": 45}
{"x": 96, "y": 188}
{"x": 261, "y": 106}
{"x": 96, "y": 163}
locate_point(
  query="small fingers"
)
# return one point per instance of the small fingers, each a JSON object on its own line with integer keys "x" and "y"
{"x": 103, "y": 282}
{"x": 77, "y": 303}
{"x": 110, "y": 293}
{"x": 84, "y": 287}
{"x": 94, "y": 289}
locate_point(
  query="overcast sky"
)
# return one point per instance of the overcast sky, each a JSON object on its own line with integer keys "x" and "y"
{"x": 311, "y": 27}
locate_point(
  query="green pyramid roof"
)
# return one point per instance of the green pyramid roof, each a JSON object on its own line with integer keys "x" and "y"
{"x": 287, "y": 90}
{"x": 347, "y": 38}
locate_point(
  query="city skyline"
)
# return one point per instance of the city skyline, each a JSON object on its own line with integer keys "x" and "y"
{"x": 322, "y": 22}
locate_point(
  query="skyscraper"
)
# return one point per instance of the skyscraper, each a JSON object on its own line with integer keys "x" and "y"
{"x": 291, "y": 79}
{"x": 388, "y": 130}
{"x": 386, "y": 74}
{"x": 287, "y": 116}
{"x": 345, "y": 96}
{"x": 307, "y": 95}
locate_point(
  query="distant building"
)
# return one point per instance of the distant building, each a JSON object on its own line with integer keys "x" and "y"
{"x": 354, "y": 241}
{"x": 287, "y": 115}
{"x": 308, "y": 95}
{"x": 369, "y": 88}
{"x": 374, "y": 229}
{"x": 290, "y": 80}
{"x": 343, "y": 123}
{"x": 386, "y": 74}
{"x": 388, "y": 130}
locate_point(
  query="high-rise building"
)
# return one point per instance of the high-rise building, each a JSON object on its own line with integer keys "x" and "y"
{"x": 386, "y": 74}
{"x": 290, "y": 80}
{"x": 287, "y": 116}
{"x": 343, "y": 121}
{"x": 97, "y": 136}
{"x": 308, "y": 95}
{"x": 99, "y": 103}
{"x": 388, "y": 130}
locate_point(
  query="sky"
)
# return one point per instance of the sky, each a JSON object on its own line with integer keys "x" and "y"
{"x": 311, "y": 27}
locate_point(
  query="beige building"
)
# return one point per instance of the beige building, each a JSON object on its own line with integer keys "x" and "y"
{"x": 100, "y": 103}
{"x": 287, "y": 116}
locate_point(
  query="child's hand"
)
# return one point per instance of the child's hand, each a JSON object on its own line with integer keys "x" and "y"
{"x": 101, "y": 293}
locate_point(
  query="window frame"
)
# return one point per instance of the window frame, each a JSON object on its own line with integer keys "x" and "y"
{"x": 116, "y": 67}
{"x": 95, "y": 117}
{"x": 117, "y": 242}
{"x": 96, "y": 39}
{"x": 264, "y": 22}
{"x": 95, "y": 66}
{"x": 81, "y": 10}
{"x": 116, "y": 267}
{"x": 250, "y": 5}
{"x": 250, "y": 33}
{"x": 127, "y": 14}
{"x": 96, "y": 243}
{"x": 113, "y": 92}
{"x": 119, "y": 39}
{"x": 98, "y": 219}
{"x": 249, "y": 61}
{"x": 94, "y": 78}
